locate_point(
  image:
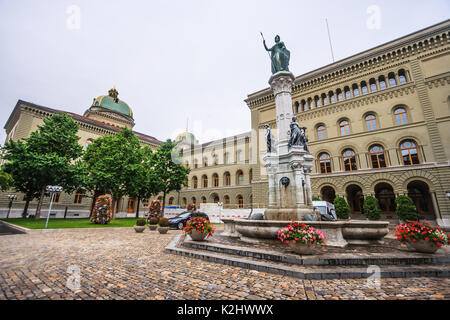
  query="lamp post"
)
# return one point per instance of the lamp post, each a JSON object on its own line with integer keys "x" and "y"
{"x": 52, "y": 190}
{"x": 11, "y": 198}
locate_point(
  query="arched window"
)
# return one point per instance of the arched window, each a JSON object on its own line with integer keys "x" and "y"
{"x": 297, "y": 107}
{"x": 409, "y": 153}
{"x": 402, "y": 76}
{"x": 184, "y": 202}
{"x": 345, "y": 127}
{"x": 195, "y": 163}
{"x": 332, "y": 97}
{"x": 216, "y": 199}
{"x": 215, "y": 180}
{"x": 325, "y": 163}
{"x": 324, "y": 99}
{"x": 227, "y": 179}
{"x": 194, "y": 182}
{"x": 240, "y": 178}
{"x": 240, "y": 201}
{"x": 364, "y": 89}
{"x": 88, "y": 143}
{"x": 303, "y": 105}
{"x": 348, "y": 95}
{"x": 401, "y": 117}
{"x": 226, "y": 200}
{"x": 371, "y": 122}
{"x": 392, "y": 80}
{"x": 194, "y": 200}
{"x": 373, "y": 85}
{"x": 355, "y": 90}
{"x": 203, "y": 199}
{"x": 317, "y": 101}
{"x": 377, "y": 157}
{"x": 205, "y": 181}
{"x": 321, "y": 132}
{"x": 349, "y": 158}
{"x": 171, "y": 200}
{"x": 382, "y": 82}
{"x": 340, "y": 96}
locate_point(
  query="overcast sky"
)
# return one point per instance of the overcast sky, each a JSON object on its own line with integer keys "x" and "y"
{"x": 173, "y": 60}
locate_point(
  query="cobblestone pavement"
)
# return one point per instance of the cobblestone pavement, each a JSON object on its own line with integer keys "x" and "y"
{"x": 121, "y": 264}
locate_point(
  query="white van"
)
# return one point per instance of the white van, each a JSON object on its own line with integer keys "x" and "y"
{"x": 326, "y": 210}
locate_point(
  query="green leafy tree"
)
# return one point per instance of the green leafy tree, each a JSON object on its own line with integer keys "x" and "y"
{"x": 113, "y": 163}
{"x": 406, "y": 210}
{"x": 6, "y": 181}
{"x": 140, "y": 182}
{"x": 168, "y": 172}
{"x": 342, "y": 208}
{"x": 49, "y": 156}
{"x": 371, "y": 208}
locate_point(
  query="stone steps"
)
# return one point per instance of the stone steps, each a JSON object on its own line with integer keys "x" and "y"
{"x": 340, "y": 266}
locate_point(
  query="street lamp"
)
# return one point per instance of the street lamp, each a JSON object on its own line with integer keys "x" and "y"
{"x": 52, "y": 190}
{"x": 11, "y": 198}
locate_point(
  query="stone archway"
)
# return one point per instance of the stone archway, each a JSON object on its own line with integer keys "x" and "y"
{"x": 385, "y": 195}
{"x": 355, "y": 198}
{"x": 420, "y": 194}
{"x": 328, "y": 194}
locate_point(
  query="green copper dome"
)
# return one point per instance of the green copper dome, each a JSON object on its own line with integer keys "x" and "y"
{"x": 112, "y": 102}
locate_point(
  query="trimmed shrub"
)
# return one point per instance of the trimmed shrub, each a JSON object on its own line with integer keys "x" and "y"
{"x": 342, "y": 208}
{"x": 163, "y": 222}
{"x": 406, "y": 210}
{"x": 141, "y": 222}
{"x": 371, "y": 209}
{"x": 153, "y": 221}
{"x": 316, "y": 199}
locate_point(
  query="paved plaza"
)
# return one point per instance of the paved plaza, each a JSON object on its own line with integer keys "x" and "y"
{"x": 121, "y": 264}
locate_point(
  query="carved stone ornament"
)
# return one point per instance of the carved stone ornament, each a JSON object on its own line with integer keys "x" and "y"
{"x": 285, "y": 181}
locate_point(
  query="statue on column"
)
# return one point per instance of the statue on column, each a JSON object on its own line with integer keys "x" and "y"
{"x": 268, "y": 138}
{"x": 280, "y": 55}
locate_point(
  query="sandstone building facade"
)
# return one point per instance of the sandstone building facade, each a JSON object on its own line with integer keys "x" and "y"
{"x": 378, "y": 124}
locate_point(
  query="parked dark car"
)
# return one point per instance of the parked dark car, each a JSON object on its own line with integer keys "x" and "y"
{"x": 179, "y": 222}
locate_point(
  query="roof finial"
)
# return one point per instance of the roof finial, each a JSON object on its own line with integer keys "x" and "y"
{"x": 113, "y": 93}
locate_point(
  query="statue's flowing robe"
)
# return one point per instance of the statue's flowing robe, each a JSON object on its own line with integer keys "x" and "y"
{"x": 280, "y": 58}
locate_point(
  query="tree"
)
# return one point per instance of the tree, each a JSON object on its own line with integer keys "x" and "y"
{"x": 47, "y": 157}
{"x": 113, "y": 164}
{"x": 140, "y": 182}
{"x": 168, "y": 174}
{"x": 6, "y": 181}
{"x": 342, "y": 208}
{"x": 406, "y": 210}
{"x": 371, "y": 208}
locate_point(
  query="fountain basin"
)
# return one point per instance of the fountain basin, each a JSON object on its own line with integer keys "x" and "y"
{"x": 338, "y": 233}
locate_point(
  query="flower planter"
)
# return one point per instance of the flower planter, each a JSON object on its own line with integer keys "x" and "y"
{"x": 163, "y": 230}
{"x": 198, "y": 236}
{"x": 139, "y": 229}
{"x": 153, "y": 227}
{"x": 423, "y": 246}
{"x": 302, "y": 248}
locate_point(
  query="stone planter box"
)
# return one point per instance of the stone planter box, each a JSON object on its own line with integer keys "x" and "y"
{"x": 139, "y": 229}
{"x": 163, "y": 230}
{"x": 423, "y": 246}
{"x": 198, "y": 236}
{"x": 301, "y": 248}
{"x": 153, "y": 227}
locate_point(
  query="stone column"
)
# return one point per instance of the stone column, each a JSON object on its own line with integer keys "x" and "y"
{"x": 281, "y": 84}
